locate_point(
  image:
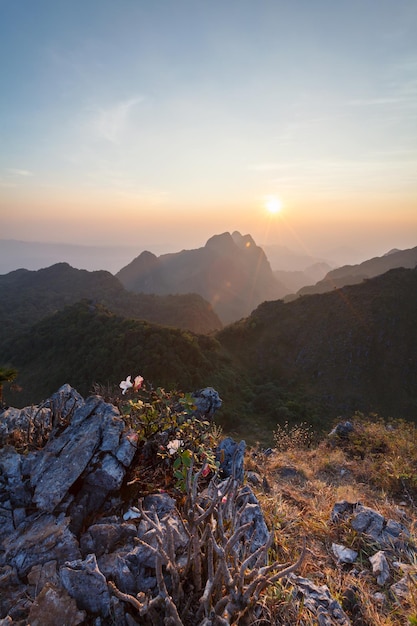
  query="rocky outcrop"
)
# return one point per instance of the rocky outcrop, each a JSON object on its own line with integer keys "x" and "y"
{"x": 74, "y": 550}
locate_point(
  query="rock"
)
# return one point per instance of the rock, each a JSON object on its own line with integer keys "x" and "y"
{"x": 380, "y": 567}
{"x": 342, "y": 430}
{"x": 11, "y": 472}
{"x": 40, "y": 539}
{"x": 343, "y": 554}
{"x": 320, "y": 602}
{"x": 207, "y": 401}
{"x": 54, "y": 606}
{"x": 231, "y": 458}
{"x": 254, "y": 479}
{"x": 402, "y": 589}
{"x": 86, "y": 584}
{"x": 386, "y": 533}
{"x": 39, "y": 575}
{"x": 106, "y": 537}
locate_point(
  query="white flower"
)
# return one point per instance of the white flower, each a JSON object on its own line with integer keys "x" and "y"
{"x": 126, "y": 384}
{"x": 174, "y": 445}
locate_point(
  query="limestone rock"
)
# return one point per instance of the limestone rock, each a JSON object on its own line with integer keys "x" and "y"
{"x": 54, "y": 606}
{"x": 380, "y": 567}
{"x": 343, "y": 554}
{"x": 86, "y": 584}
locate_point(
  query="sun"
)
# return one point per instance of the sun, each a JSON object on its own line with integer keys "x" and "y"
{"x": 272, "y": 204}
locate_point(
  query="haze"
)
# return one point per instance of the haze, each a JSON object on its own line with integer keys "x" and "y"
{"x": 158, "y": 124}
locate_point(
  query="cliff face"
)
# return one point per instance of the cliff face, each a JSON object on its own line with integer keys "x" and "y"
{"x": 230, "y": 271}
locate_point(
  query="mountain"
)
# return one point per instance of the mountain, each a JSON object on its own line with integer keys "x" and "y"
{"x": 353, "y": 274}
{"x": 295, "y": 280}
{"x": 28, "y": 296}
{"x": 85, "y": 343}
{"x": 230, "y": 271}
{"x": 283, "y": 258}
{"x": 309, "y": 360}
{"x": 351, "y": 349}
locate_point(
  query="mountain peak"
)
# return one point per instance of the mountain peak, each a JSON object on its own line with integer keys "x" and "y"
{"x": 221, "y": 243}
{"x": 243, "y": 241}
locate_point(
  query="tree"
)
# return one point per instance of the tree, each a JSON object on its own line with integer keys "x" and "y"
{"x": 7, "y": 375}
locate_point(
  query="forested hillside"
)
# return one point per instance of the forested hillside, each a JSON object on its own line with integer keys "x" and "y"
{"x": 28, "y": 296}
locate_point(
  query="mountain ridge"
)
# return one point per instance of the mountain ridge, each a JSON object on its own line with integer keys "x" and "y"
{"x": 26, "y": 296}
{"x": 353, "y": 274}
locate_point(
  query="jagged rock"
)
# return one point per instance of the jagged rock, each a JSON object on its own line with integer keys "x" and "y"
{"x": 387, "y": 533}
{"x": 40, "y": 539}
{"x": 254, "y": 478}
{"x": 40, "y": 574}
{"x": 105, "y": 537}
{"x": 63, "y": 404}
{"x": 54, "y": 474}
{"x": 231, "y": 458}
{"x": 320, "y": 602}
{"x": 380, "y": 567}
{"x": 343, "y": 554}
{"x": 25, "y": 425}
{"x": 11, "y": 472}
{"x": 404, "y": 586}
{"x": 54, "y": 606}
{"x": 86, "y": 584}
{"x": 207, "y": 402}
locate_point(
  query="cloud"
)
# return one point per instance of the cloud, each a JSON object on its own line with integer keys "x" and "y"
{"x": 110, "y": 123}
{"x": 18, "y": 172}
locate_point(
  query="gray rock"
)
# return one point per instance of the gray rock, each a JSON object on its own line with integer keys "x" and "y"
{"x": 102, "y": 538}
{"x": 108, "y": 476}
{"x": 380, "y": 567}
{"x": 11, "y": 470}
{"x": 320, "y": 602}
{"x": 42, "y": 538}
{"x": 402, "y": 589}
{"x": 63, "y": 404}
{"x": 86, "y": 584}
{"x": 387, "y": 533}
{"x": 207, "y": 402}
{"x": 161, "y": 503}
{"x": 344, "y": 554}
{"x": 230, "y": 456}
{"x": 54, "y": 606}
{"x": 28, "y": 425}
{"x": 127, "y": 448}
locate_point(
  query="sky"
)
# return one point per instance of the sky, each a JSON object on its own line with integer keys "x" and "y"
{"x": 157, "y": 123}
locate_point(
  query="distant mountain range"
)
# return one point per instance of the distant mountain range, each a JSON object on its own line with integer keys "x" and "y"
{"x": 354, "y": 274}
{"x": 28, "y": 296}
{"x": 230, "y": 271}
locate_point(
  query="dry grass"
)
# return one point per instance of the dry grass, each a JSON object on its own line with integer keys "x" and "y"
{"x": 377, "y": 466}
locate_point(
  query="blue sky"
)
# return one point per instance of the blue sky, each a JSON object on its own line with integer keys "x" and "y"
{"x": 147, "y": 121}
